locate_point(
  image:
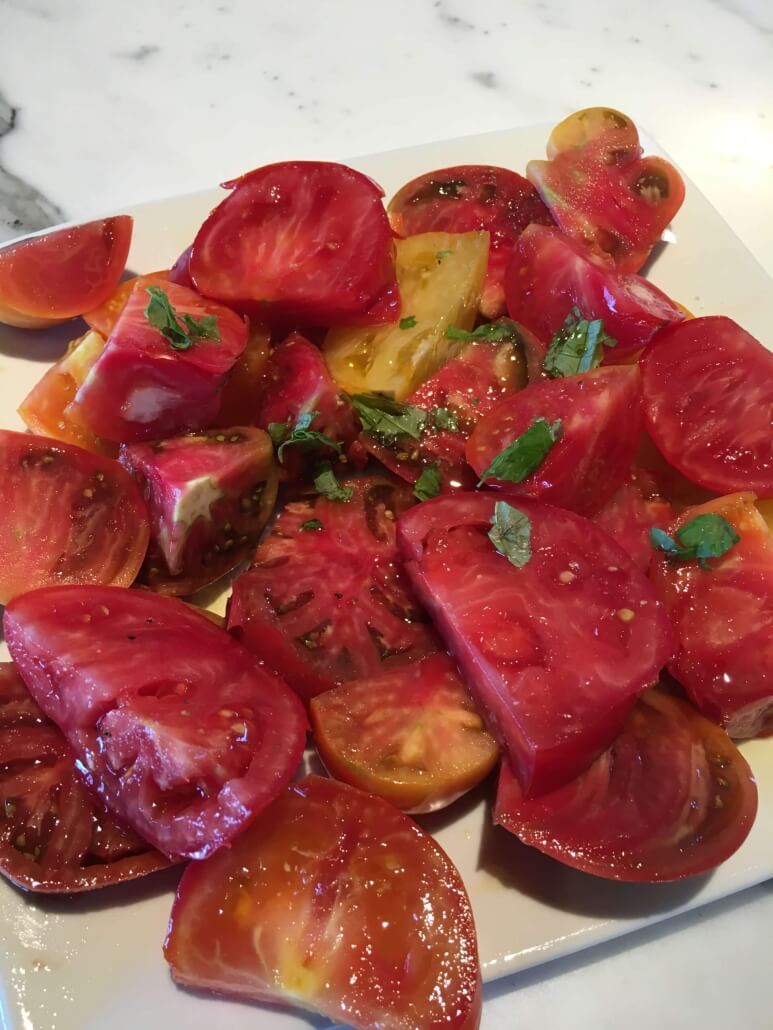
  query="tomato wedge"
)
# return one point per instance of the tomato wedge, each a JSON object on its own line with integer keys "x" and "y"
{"x": 102, "y": 319}
{"x": 240, "y": 397}
{"x": 708, "y": 398}
{"x": 672, "y": 797}
{"x": 305, "y": 241}
{"x": 556, "y": 651}
{"x": 628, "y": 516}
{"x": 336, "y": 901}
{"x": 56, "y": 276}
{"x": 411, "y": 735}
{"x": 174, "y": 725}
{"x": 68, "y": 516}
{"x": 53, "y": 837}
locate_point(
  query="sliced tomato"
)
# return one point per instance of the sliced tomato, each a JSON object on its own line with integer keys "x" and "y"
{"x": 724, "y": 620}
{"x": 549, "y": 275}
{"x": 656, "y": 478}
{"x": 410, "y": 735}
{"x": 672, "y": 797}
{"x": 336, "y": 901}
{"x": 469, "y": 197}
{"x": 54, "y": 837}
{"x": 599, "y": 425}
{"x": 209, "y": 495}
{"x": 556, "y": 651}
{"x": 142, "y": 387}
{"x": 240, "y": 397}
{"x": 174, "y": 725}
{"x": 180, "y": 271}
{"x": 628, "y": 516}
{"x": 600, "y": 189}
{"x": 102, "y": 319}
{"x": 708, "y": 398}
{"x": 68, "y": 516}
{"x": 56, "y": 276}
{"x": 326, "y": 600}
{"x": 307, "y": 241}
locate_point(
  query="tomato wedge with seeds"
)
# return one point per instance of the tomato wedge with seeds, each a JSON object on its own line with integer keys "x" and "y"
{"x": 334, "y": 900}
{"x": 672, "y": 797}
{"x": 326, "y": 599}
{"x": 628, "y": 516}
{"x": 68, "y": 516}
{"x": 411, "y": 735}
{"x": 54, "y": 838}
{"x": 175, "y": 726}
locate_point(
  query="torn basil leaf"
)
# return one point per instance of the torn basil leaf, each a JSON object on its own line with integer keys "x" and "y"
{"x": 326, "y": 484}
{"x": 180, "y": 331}
{"x": 577, "y": 347}
{"x": 705, "y": 536}
{"x": 510, "y": 533}
{"x": 428, "y": 484}
{"x": 525, "y": 454}
{"x": 284, "y": 435}
{"x": 389, "y": 419}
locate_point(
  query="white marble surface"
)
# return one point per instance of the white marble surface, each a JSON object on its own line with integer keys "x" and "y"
{"x": 104, "y": 102}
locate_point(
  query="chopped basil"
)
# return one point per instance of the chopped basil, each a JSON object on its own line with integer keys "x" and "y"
{"x": 492, "y": 332}
{"x": 180, "y": 331}
{"x": 577, "y": 347}
{"x": 510, "y": 533}
{"x": 525, "y": 454}
{"x": 388, "y": 419}
{"x": 311, "y": 524}
{"x": 444, "y": 418}
{"x": 284, "y": 435}
{"x": 705, "y": 536}
{"x": 408, "y": 322}
{"x": 326, "y": 483}
{"x": 428, "y": 483}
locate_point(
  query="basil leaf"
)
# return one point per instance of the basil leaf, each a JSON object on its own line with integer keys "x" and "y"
{"x": 283, "y": 435}
{"x": 311, "y": 524}
{"x": 442, "y": 254}
{"x": 388, "y": 419}
{"x": 408, "y": 322}
{"x": 444, "y": 418}
{"x": 162, "y": 316}
{"x": 428, "y": 484}
{"x": 510, "y": 533}
{"x": 326, "y": 484}
{"x": 705, "y": 536}
{"x": 493, "y": 332}
{"x": 577, "y": 347}
{"x": 525, "y": 454}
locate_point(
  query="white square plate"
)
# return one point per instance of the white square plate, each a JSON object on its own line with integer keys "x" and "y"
{"x": 90, "y": 962}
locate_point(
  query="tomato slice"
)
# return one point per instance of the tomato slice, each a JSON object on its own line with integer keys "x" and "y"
{"x": 209, "y": 495}
{"x": 628, "y": 516}
{"x": 240, "y": 397}
{"x": 68, "y": 516}
{"x": 326, "y": 600}
{"x": 53, "y": 837}
{"x": 657, "y": 478}
{"x": 708, "y": 397}
{"x": 411, "y": 735}
{"x": 672, "y": 797}
{"x": 556, "y": 651}
{"x": 102, "y": 319}
{"x": 308, "y": 241}
{"x": 550, "y": 275}
{"x": 50, "y": 278}
{"x": 599, "y": 425}
{"x": 174, "y": 725}
{"x": 144, "y": 387}
{"x": 336, "y": 901}
{"x": 469, "y": 197}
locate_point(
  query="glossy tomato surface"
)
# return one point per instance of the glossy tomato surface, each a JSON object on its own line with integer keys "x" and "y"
{"x": 175, "y": 726}
{"x": 54, "y": 837}
{"x": 102, "y": 319}
{"x": 628, "y": 516}
{"x": 240, "y": 397}
{"x": 672, "y": 797}
{"x": 326, "y": 599}
{"x": 304, "y": 240}
{"x": 336, "y": 901}
{"x": 468, "y": 197}
{"x": 61, "y": 274}
{"x": 549, "y": 275}
{"x": 556, "y": 651}
{"x": 708, "y": 397}
{"x": 67, "y": 516}
{"x": 599, "y": 425}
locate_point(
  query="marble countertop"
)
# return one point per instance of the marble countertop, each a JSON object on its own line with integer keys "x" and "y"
{"x": 105, "y": 103}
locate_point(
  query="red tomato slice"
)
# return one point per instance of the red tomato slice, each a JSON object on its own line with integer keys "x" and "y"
{"x": 306, "y": 240}
{"x": 335, "y": 901}
{"x": 240, "y": 397}
{"x": 174, "y": 725}
{"x": 102, "y": 319}
{"x": 550, "y": 274}
{"x": 724, "y": 621}
{"x": 59, "y": 275}
{"x": 657, "y": 479}
{"x": 555, "y": 652}
{"x": 411, "y": 735}
{"x": 628, "y": 516}
{"x": 672, "y": 797}
{"x": 143, "y": 388}
{"x": 53, "y": 837}
{"x": 68, "y": 516}
{"x": 600, "y": 423}
{"x": 209, "y": 495}
{"x": 708, "y": 398}
{"x": 324, "y": 605}
{"x": 467, "y": 198}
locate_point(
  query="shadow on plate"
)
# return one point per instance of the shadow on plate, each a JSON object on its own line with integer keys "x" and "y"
{"x": 44, "y": 345}
{"x": 119, "y": 895}
{"x": 263, "y": 1009}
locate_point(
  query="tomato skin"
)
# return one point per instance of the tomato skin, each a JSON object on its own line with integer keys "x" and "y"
{"x": 569, "y": 639}
{"x": 59, "y": 275}
{"x": 175, "y": 726}
{"x": 180, "y": 271}
{"x": 628, "y": 516}
{"x": 387, "y": 941}
{"x": 141, "y": 388}
{"x": 102, "y": 319}
{"x": 411, "y": 735}
{"x": 68, "y": 517}
{"x": 309, "y": 241}
{"x": 550, "y": 274}
{"x": 717, "y": 433}
{"x": 672, "y": 797}
{"x": 240, "y": 397}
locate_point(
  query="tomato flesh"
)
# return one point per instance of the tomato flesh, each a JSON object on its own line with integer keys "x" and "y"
{"x": 103, "y": 318}
{"x": 628, "y": 516}
{"x": 336, "y": 901}
{"x": 240, "y": 397}
{"x": 174, "y": 725}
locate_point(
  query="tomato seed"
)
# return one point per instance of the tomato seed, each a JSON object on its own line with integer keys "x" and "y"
{"x": 566, "y": 576}
{"x": 626, "y": 615}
